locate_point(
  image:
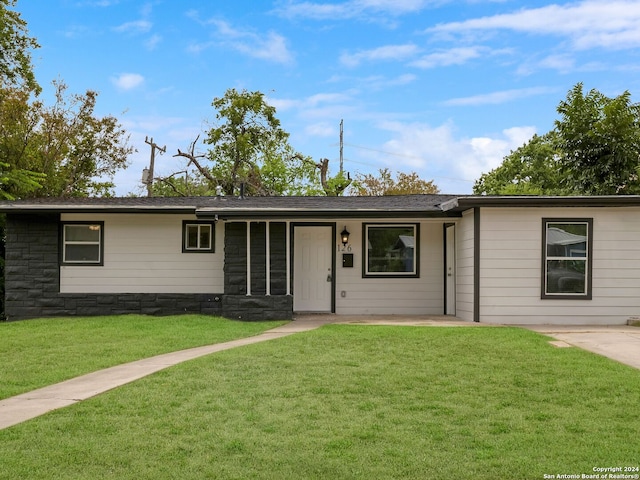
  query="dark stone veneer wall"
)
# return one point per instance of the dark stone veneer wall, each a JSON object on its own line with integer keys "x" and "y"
{"x": 32, "y": 283}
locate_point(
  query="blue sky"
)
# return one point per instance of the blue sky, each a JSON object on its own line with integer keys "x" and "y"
{"x": 442, "y": 88}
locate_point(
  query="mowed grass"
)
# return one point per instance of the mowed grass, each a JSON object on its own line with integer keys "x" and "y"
{"x": 350, "y": 402}
{"x": 36, "y": 353}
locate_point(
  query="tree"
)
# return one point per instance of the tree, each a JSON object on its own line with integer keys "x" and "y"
{"x": 532, "y": 169}
{"x": 593, "y": 149}
{"x": 249, "y": 147}
{"x": 74, "y": 152}
{"x": 599, "y": 138}
{"x": 385, "y": 184}
{"x": 332, "y": 186}
{"x": 15, "y": 45}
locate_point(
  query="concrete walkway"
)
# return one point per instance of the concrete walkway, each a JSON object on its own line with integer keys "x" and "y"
{"x": 619, "y": 343}
{"x": 29, "y": 405}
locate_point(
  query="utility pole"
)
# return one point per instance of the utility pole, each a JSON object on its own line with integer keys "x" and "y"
{"x": 149, "y": 173}
{"x": 341, "y": 146}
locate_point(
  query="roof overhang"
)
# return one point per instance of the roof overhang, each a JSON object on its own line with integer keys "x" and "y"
{"x": 283, "y": 213}
{"x": 63, "y": 208}
{"x": 440, "y": 206}
{"x": 463, "y": 203}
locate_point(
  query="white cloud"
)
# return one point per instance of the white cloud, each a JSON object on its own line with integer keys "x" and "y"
{"x": 351, "y": 9}
{"x": 495, "y": 98}
{"x": 76, "y": 31}
{"x": 137, "y": 26}
{"x": 127, "y": 81}
{"x": 311, "y": 102}
{"x": 152, "y": 42}
{"x": 387, "y": 52}
{"x": 436, "y": 152}
{"x": 587, "y": 24}
{"x": 377, "y": 82}
{"x": 270, "y": 46}
{"x": 320, "y": 129}
{"x": 445, "y": 58}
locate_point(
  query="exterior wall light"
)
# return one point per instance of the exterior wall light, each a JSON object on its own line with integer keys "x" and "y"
{"x": 344, "y": 235}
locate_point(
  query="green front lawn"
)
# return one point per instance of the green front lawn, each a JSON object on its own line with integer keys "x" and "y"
{"x": 350, "y": 402}
{"x": 36, "y": 353}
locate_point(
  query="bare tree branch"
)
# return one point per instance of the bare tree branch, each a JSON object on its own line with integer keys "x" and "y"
{"x": 193, "y": 158}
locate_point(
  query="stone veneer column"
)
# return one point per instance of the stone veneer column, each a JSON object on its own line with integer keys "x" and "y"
{"x": 32, "y": 277}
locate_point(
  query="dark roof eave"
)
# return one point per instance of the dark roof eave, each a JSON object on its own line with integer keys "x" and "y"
{"x": 36, "y": 209}
{"x": 305, "y": 213}
{"x": 466, "y": 202}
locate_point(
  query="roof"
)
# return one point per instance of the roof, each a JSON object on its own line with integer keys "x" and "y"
{"x": 310, "y": 207}
{"x": 246, "y": 207}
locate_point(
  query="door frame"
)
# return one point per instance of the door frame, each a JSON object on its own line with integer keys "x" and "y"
{"x": 449, "y": 254}
{"x": 292, "y": 226}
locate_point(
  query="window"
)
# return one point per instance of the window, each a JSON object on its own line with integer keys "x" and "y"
{"x": 197, "y": 236}
{"x": 82, "y": 243}
{"x": 566, "y": 268}
{"x": 391, "y": 250}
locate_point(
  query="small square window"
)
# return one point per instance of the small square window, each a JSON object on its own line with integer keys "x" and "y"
{"x": 197, "y": 237}
{"x": 82, "y": 243}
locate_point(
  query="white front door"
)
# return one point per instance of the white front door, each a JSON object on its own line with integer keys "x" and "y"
{"x": 312, "y": 268}
{"x": 450, "y": 269}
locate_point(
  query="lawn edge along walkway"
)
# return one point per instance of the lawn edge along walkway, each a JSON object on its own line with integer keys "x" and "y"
{"x": 23, "y": 407}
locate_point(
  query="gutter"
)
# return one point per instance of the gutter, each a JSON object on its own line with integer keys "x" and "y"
{"x": 245, "y": 213}
{"x": 32, "y": 209}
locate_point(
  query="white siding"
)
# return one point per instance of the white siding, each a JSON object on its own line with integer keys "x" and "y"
{"x": 143, "y": 254}
{"x": 464, "y": 267}
{"x": 511, "y": 261}
{"x": 391, "y": 296}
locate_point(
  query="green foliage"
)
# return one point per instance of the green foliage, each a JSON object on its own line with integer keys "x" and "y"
{"x": 249, "y": 146}
{"x": 20, "y": 180}
{"x": 71, "y": 149}
{"x": 337, "y": 184}
{"x": 594, "y": 149}
{"x": 15, "y": 50}
{"x": 599, "y": 140}
{"x": 532, "y": 169}
{"x": 385, "y": 184}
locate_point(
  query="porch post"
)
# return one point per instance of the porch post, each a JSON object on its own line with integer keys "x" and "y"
{"x": 248, "y": 258}
{"x": 268, "y": 259}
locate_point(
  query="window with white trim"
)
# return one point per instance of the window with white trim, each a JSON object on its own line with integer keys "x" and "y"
{"x": 197, "y": 236}
{"x": 566, "y": 268}
{"x": 391, "y": 250}
{"x": 82, "y": 243}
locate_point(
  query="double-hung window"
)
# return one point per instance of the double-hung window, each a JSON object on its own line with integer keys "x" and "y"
{"x": 567, "y": 254}
{"x": 197, "y": 236}
{"x": 82, "y": 243}
{"x": 391, "y": 250}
